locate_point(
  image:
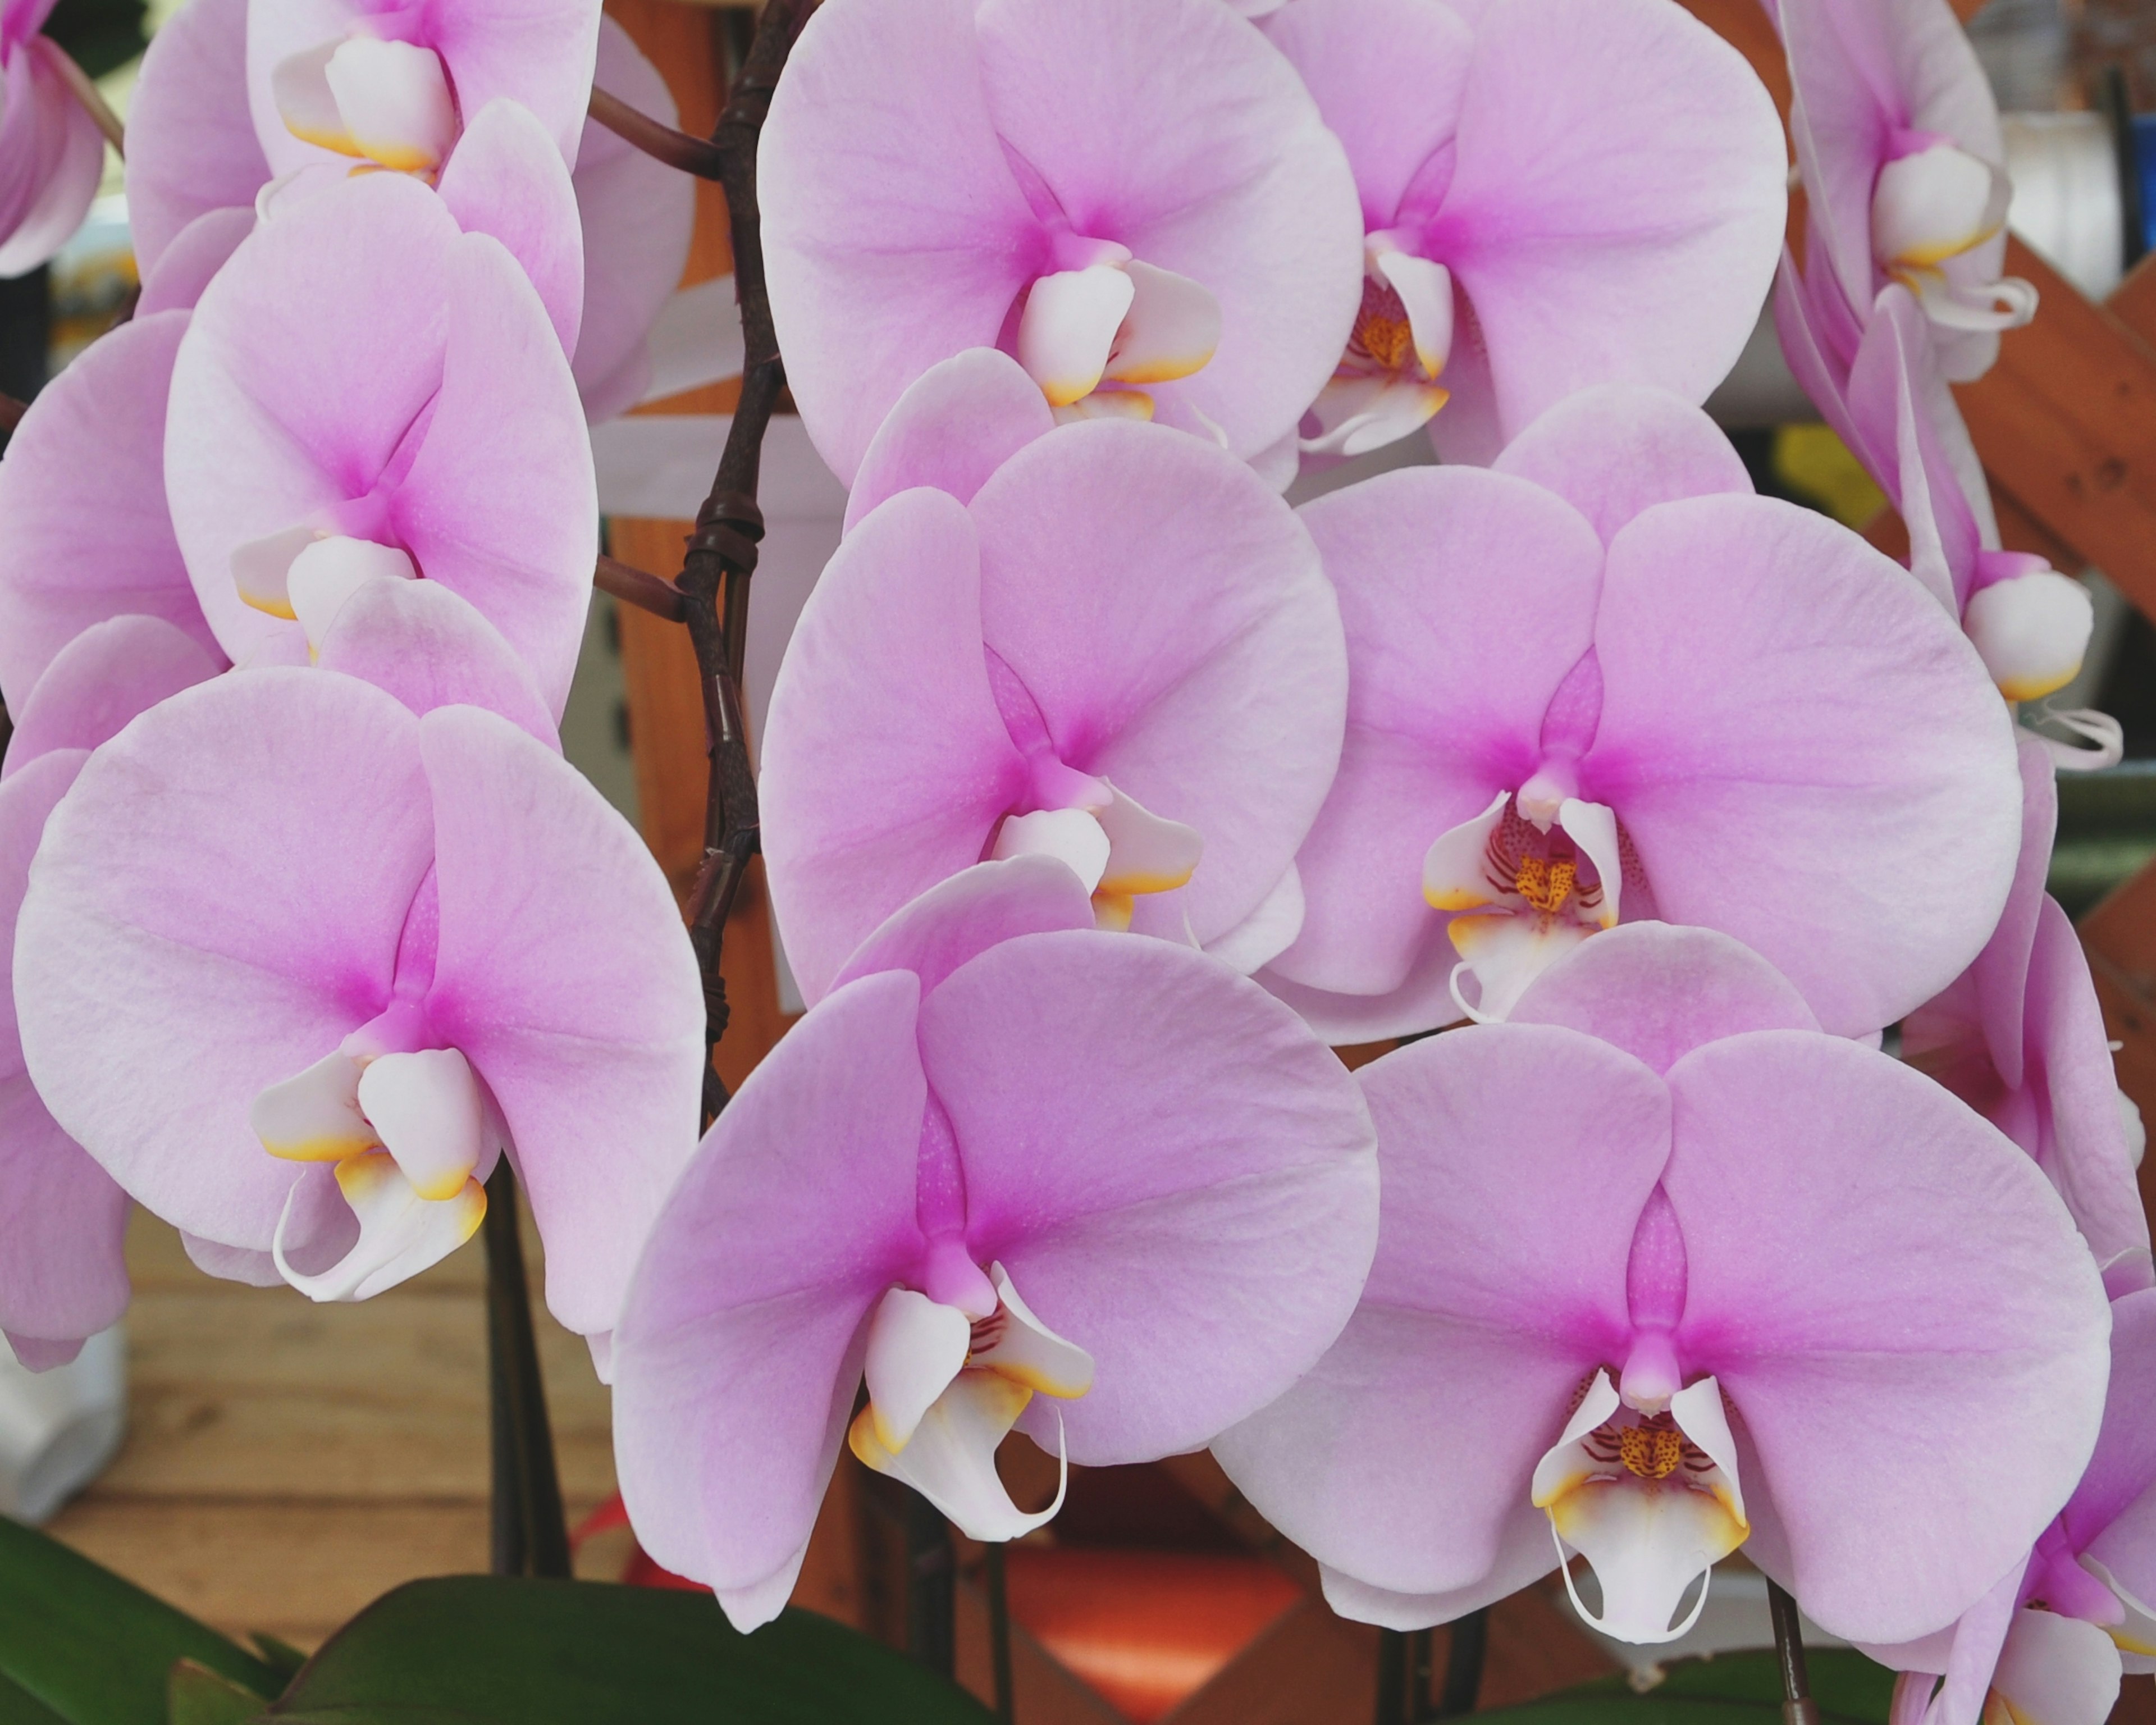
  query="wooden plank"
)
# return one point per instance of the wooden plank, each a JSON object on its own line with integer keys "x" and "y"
{"x": 2069, "y": 416}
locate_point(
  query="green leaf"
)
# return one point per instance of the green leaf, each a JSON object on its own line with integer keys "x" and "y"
{"x": 91, "y": 1648}
{"x": 282, "y": 1657}
{"x": 195, "y": 1695}
{"x": 1734, "y": 1689}
{"x": 475, "y": 1649}
{"x": 18, "y": 1707}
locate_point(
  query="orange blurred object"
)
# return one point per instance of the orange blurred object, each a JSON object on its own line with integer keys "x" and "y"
{"x": 1146, "y": 1629}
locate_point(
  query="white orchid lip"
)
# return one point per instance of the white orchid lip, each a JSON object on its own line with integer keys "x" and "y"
{"x": 1119, "y": 849}
{"x": 945, "y": 1389}
{"x": 1931, "y": 207}
{"x": 382, "y": 101}
{"x": 1522, "y": 893}
{"x": 2031, "y": 629}
{"x": 407, "y": 1132}
{"x": 305, "y": 574}
{"x": 1650, "y": 1500}
{"x": 1094, "y": 335}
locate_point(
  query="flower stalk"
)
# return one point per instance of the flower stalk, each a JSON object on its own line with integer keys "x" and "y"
{"x": 530, "y": 1533}
{"x": 1798, "y": 1707}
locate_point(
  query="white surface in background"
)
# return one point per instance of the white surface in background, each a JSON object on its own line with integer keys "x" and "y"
{"x": 695, "y": 339}
{"x": 58, "y": 1429}
{"x": 2067, "y": 196}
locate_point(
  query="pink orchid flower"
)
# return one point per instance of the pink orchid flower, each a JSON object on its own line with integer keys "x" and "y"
{"x": 365, "y": 390}
{"x": 346, "y": 953}
{"x": 1604, "y": 681}
{"x": 2019, "y": 1037}
{"x": 2048, "y": 1644}
{"x": 1115, "y": 646}
{"x": 875, "y": 1204}
{"x": 63, "y": 1271}
{"x": 195, "y": 167}
{"x": 389, "y": 81}
{"x": 1898, "y": 143}
{"x": 1890, "y": 405}
{"x": 1663, "y": 1271}
{"x": 85, "y": 534}
{"x": 1135, "y": 197}
{"x": 1514, "y": 254}
{"x": 52, "y": 154}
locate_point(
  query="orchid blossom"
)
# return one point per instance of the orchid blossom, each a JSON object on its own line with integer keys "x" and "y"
{"x": 346, "y": 954}
{"x": 1134, "y": 198}
{"x": 1555, "y": 194}
{"x": 1662, "y": 1272}
{"x": 876, "y": 1203}
{"x": 63, "y": 1274}
{"x": 196, "y": 168}
{"x": 52, "y": 152}
{"x": 2048, "y": 1644}
{"x": 1898, "y": 144}
{"x": 366, "y": 390}
{"x": 2019, "y": 1037}
{"x": 1604, "y": 681}
{"x": 88, "y": 536}
{"x": 1115, "y": 646}
{"x": 1890, "y": 405}
{"x": 389, "y": 82}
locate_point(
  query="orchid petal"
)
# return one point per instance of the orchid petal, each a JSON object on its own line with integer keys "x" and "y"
{"x": 314, "y": 1116}
{"x": 1778, "y": 1205}
{"x": 735, "y": 1371}
{"x": 1068, "y": 328}
{"x": 1426, "y": 291}
{"x": 323, "y": 578}
{"x": 1592, "y": 826}
{"x": 299, "y": 86}
{"x": 1455, "y": 870}
{"x": 506, "y": 179}
{"x": 2057, "y": 1670}
{"x": 951, "y": 1458}
{"x": 191, "y": 260}
{"x": 1146, "y": 854}
{"x": 1647, "y": 1548}
{"x": 1505, "y": 951}
{"x": 421, "y": 642}
{"x": 606, "y": 1024}
{"x": 1356, "y": 415}
{"x": 1659, "y": 991}
{"x": 1617, "y": 449}
{"x": 191, "y": 147}
{"x": 82, "y": 490}
{"x": 961, "y": 918}
{"x": 1248, "y": 1222}
{"x": 69, "y": 160}
{"x": 955, "y": 425}
{"x": 393, "y": 100}
{"x": 1171, "y": 329}
{"x": 2031, "y": 631}
{"x": 915, "y": 1348}
{"x": 1267, "y": 932}
{"x": 99, "y": 681}
{"x": 400, "y": 1233}
{"x": 1026, "y": 1351}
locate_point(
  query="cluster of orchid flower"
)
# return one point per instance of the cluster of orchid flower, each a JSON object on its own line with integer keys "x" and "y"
{"x": 1103, "y": 790}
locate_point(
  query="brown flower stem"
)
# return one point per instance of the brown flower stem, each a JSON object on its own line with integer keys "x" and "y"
{"x": 657, "y": 140}
{"x": 647, "y": 593}
{"x": 86, "y": 92}
{"x": 1798, "y": 1707}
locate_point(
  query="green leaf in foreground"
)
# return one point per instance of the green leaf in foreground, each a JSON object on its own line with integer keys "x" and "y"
{"x": 196, "y": 1696}
{"x": 92, "y": 1648}
{"x": 1734, "y": 1689}
{"x": 475, "y": 1649}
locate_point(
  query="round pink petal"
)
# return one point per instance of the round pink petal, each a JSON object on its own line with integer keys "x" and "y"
{"x": 1431, "y": 567}
{"x": 106, "y": 676}
{"x": 638, "y": 216}
{"x": 188, "y": 264}
{"x": 1637, "y": 249}
{"x": 565, "y": 976}
{"x": 2124, "y": 1464}
{"x": 1806, "y": 752}
{"x": 739, "y": 1351}
{"x": 63, "y": 1271}
{"x": 886, "y": 764}
{"x": 421, "y": 642}
{"x": 505, "y": 178}
{"x": 878, "y": 269}
{"x": 190, "y": 145}
{"x": 82, "y": 491}
{"x": 961, "y": 918}
{"x": 1516, "y": 1160}
{"x": 68, "y": 159}
{"x": 217, "y": 904}
{"x": 1169, "y": 617}
{"x": 955, "y": 424}
{"x": 1388, "y": 76}
{"x": 1170, "y": 126}
{"x": 1658, "y": 992}
{"x": 1205, "y": 1219}
{"x": 1617, "y": 448}
{"x": 1898, "y": 1308}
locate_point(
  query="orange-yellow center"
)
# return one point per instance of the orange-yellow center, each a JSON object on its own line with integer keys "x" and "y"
{"x": 1386, "y": 340}
{"x": 1544, "y": 883}
{"x": 1650, "y": 1452}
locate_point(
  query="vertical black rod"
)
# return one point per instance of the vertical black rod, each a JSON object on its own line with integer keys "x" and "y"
{"x": 1798, "y": 1707}
{"x": 932, "y": 1583}
{"x": 1419, "y": 1670}
{"x": 531, "y": 1534}
{"x": 1392, "y": 1677}
{"x": 999, "y": 1632}
{"x": 1463, "y": 1664}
